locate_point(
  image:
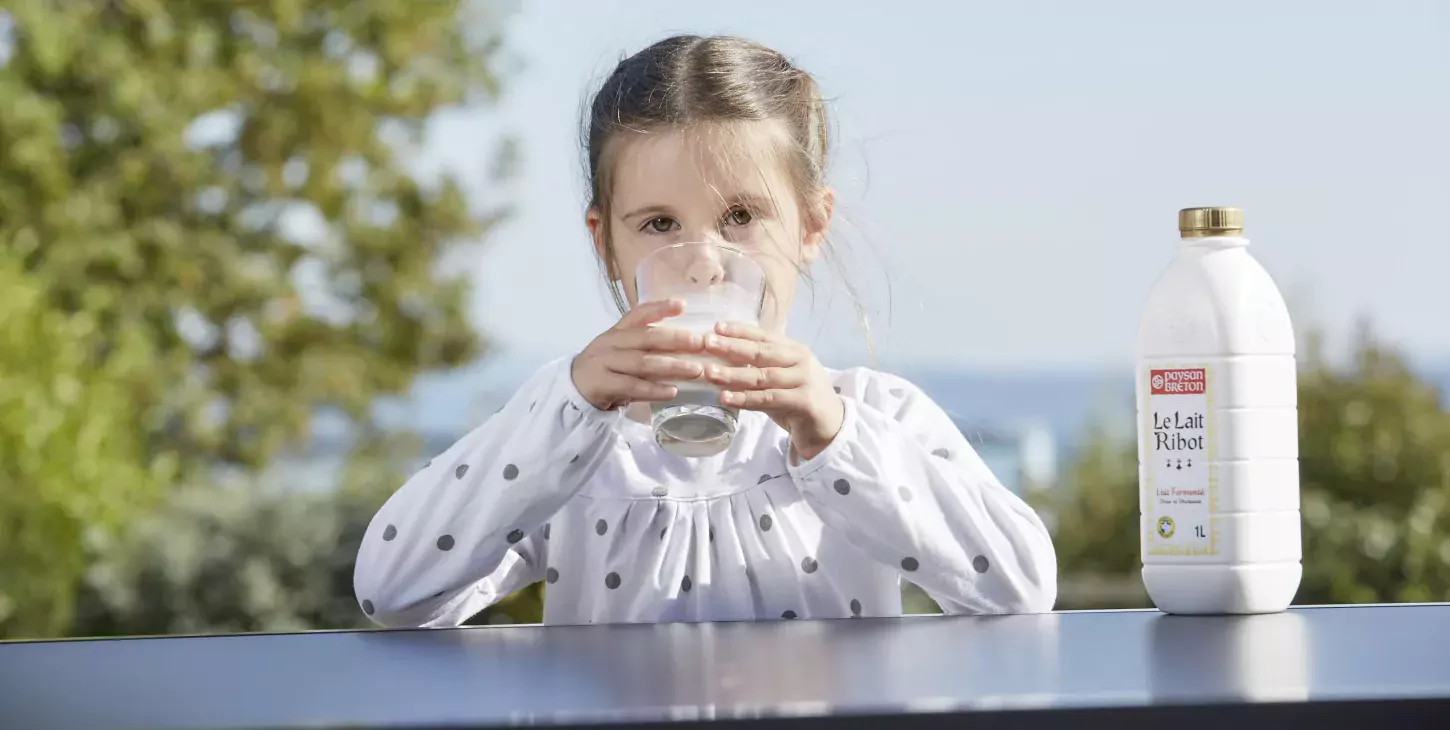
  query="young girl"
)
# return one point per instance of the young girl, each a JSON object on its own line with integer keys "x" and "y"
{"x": 837, "y": 486}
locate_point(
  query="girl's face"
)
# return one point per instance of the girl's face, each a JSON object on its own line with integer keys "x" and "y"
{"x": 729, "y": 188}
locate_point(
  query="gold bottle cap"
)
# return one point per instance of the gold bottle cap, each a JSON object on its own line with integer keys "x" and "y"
{"x": 1205, "y": 222}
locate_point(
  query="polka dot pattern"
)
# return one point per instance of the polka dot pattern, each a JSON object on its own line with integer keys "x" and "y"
{"x": 773, "y": 571}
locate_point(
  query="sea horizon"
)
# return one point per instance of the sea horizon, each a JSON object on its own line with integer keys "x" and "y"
{"x": 1026, "y": 425}
{"x": 1063, "y": 400}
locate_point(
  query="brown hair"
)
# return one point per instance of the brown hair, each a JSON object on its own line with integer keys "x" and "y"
{"x": 693, "y": 80}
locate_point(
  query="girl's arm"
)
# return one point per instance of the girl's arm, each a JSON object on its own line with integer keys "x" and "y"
{"x": 469, "y": 528}
{"x": 901, "y": 481}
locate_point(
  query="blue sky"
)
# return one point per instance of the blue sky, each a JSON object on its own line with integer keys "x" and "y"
{"x": 1010, "y": 172}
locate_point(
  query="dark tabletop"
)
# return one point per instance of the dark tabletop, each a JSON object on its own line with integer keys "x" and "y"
{"x": 1135, "y": 668}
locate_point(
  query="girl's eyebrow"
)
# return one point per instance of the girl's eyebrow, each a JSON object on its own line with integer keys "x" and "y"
{"x": 753, "y": 201}
{"x": 652, "y": 211}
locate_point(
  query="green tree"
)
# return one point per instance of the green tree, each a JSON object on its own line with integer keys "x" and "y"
{"x": 211, "y": 212}
{"x": 227, "y": 560}
{"x": 71, "y": 461}
{"x": 1374, "y": 459}
{"x": 1094, "y": 519}
{"x": 1374, "y": 453}
{"x": 244, "y": 558}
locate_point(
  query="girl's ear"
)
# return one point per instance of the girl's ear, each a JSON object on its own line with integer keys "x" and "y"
{"x": 818, "y": 224}
{"x": 594, "y": 221}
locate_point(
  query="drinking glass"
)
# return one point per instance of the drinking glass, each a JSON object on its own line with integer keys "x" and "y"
{"x": 716, "y": 283}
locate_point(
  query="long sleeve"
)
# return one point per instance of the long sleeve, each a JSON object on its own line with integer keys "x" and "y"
{"x": 470, "y": 527}
{"x": 906, "y": 488}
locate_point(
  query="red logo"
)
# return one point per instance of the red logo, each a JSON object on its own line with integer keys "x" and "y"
{"x": 1187, "y": 381}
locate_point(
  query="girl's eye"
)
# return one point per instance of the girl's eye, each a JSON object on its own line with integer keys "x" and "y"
{"x": 662, "y": 224}
{"x": 739, "y": 217}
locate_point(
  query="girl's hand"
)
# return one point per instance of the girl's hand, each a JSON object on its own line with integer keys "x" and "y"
{"x": 780, "y": 378}
{"x": 626, "y": 363}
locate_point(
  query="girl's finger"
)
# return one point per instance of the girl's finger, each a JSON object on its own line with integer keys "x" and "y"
{"x": 659, "y": 339}
{"x": 744, "y": 331}
{"x": 775, "y": 401}
{"x": 631, "y": 388}
{"x": 647, "y": 313}
{"x": 651, "y": 366}
{"x": 746, "y": 378}
{"x": 751, "y": 352}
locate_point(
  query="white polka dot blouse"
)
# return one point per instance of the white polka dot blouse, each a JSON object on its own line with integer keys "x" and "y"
{"x": 553, "y": 489}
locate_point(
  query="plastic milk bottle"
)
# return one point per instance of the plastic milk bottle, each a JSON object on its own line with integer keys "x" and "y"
{"x": 1218, "y": 437}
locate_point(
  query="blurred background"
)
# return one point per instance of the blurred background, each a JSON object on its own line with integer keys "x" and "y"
{"x": 260, "y": 259}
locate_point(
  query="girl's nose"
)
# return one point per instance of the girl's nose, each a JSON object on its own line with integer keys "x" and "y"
{"x": 704, "y": 268}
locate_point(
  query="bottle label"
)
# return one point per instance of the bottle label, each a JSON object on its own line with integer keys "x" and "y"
{"x": 1179, "y": 458}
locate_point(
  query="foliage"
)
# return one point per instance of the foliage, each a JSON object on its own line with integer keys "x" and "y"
{"x": 1374, "y": 451}
{"x": 1101, "y": 492}
{"x": 1376, "y": 480}
{"x": 219, "y": 560}
{"x": 242, "y": 559}
{"x": 215, "y": 235}
{"x": 71, "y": 463}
